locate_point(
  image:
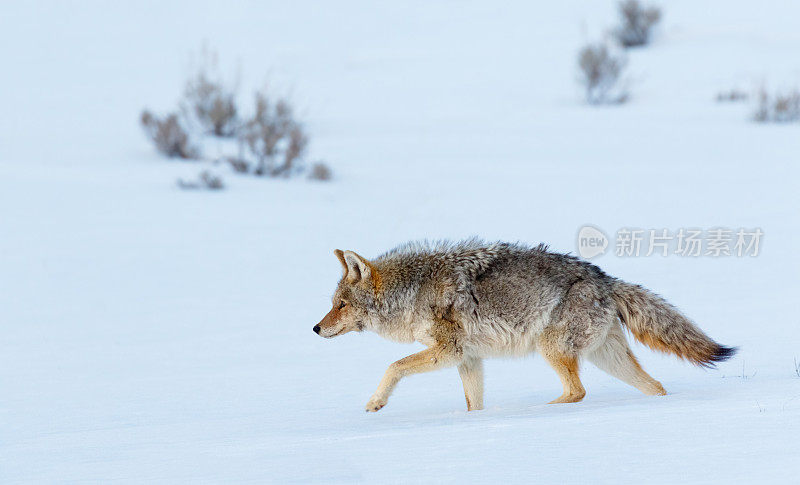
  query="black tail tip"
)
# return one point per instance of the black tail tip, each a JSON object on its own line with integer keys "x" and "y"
{"x": 722, "y": 354}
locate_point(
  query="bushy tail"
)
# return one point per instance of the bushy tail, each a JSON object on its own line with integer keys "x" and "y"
{"x": 660, "y": 326}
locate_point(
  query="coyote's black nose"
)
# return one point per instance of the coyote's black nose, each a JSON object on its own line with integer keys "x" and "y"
{"x": 316, "y": 329}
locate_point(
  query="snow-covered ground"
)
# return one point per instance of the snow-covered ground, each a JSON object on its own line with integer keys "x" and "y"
{"x": 150, "y": 333}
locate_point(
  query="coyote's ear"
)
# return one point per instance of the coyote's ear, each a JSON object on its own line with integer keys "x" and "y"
{"x": 357, "y": 267}
{"x": 340, "y": 256}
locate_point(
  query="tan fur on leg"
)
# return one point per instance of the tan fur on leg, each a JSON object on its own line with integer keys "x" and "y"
{"x": 567, "y": 368}
{"x": 428, "y": 360}
{"x": 471, "y": 372}
{"x": 614, "y": 356}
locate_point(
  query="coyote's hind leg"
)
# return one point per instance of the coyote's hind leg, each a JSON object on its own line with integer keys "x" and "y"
{"x": 566, "y": 365}
{"x": 614, "y": 357}
{"x": 471, "y": 372}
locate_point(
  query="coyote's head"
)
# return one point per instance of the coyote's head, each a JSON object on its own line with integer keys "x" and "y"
{"x": 354, "y": 297}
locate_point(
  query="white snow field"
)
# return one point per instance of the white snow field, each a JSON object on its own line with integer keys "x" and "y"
{"x": 151, "y": 334}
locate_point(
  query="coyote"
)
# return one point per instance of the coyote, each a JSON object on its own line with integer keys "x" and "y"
{"x": 472, "y": 300}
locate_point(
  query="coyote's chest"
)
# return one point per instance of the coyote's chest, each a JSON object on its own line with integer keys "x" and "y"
{"x": 407, "y": 331}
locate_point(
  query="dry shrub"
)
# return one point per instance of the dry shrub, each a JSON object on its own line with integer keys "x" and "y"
{"x": 731, "y": 96}
{"x": 238, "y": 164}
{"x": 207, "y": 100}
{"x": 600, "y": 73}
{"x": 168, "y": 135}
{"x": 212, "y": 106}
{"x": 274, "y": 138}
{"x": 781, "y": 107}
{"x": 206, "y": 180}
{"x": 271, "y": 143}
{"x": 211, "y": 181}
{"x": 636, "y": 23}
{"x": 320, "y": 172}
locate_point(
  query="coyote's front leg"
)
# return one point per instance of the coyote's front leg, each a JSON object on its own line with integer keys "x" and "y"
{"x": 432, "y": 358}
{"x": 471, "y": 371}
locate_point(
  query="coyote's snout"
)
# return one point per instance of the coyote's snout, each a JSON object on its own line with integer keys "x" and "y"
{"x": 336, "y": 322}
{"x": 472, "y": 300}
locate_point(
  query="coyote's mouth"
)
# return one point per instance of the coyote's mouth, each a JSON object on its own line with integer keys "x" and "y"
{"x": 337, "y": 333}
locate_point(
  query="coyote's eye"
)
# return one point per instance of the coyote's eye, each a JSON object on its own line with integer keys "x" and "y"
{"x": 342, "y": 304}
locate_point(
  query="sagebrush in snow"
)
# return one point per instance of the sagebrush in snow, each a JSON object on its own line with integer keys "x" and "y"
{"x": 274, "y": 138}
{"x": 733, "y": 95}
{"x": 211, "y": 181}
{"x": 209, "y": 101}
{"x": 272, "y": 142}
{"x": 321, "y": 172}
{"x": 779, "y": 107}
{"x": 212, "y": 106}
{"x": 636, "y": 23}
{"x": 206, "y": 180}
{"x": 168, "y": 135}
{"x": 600, "y": 73}
{"x": 237, "y": 164}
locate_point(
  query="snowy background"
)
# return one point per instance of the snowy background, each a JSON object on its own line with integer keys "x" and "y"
{"x": 150, "y": 333}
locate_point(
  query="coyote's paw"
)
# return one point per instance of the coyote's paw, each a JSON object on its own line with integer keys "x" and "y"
{"x": 567, "y": 398}
{"x": 375, "y": 404}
